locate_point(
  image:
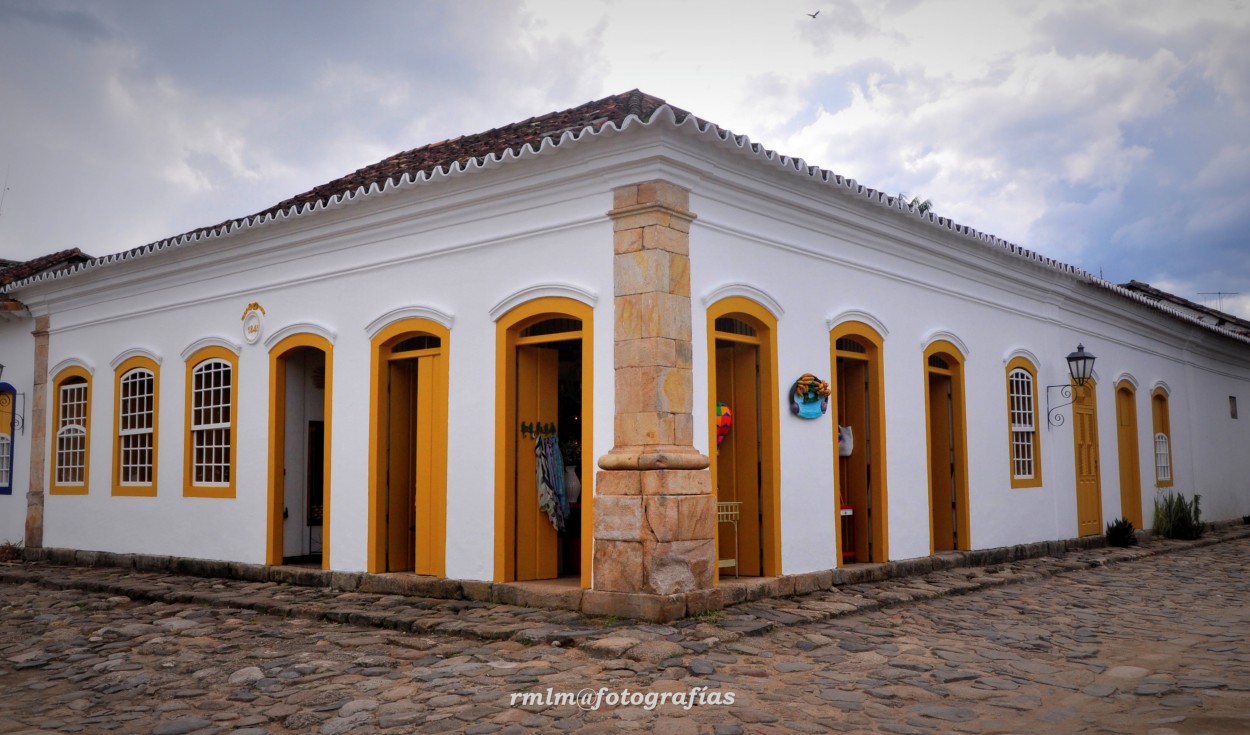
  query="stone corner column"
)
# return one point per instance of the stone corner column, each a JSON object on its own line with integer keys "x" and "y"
{"x": 655, "y": 512}
{"x": 36, "y": 424}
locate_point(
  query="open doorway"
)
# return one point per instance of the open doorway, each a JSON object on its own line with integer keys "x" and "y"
{"x": 858, "y": 403}
{"x": 948, "y": 491}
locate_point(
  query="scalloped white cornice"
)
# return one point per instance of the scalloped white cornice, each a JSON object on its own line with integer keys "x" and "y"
{"x": 943, "y": 335}
{"x": 70, "y": 362}
{"x": 325, "y": 333}
{"x": 135, "y": 352}
{"x": 428, "y": 313}
{"x": 857, "y": 315}
{"x": 746, "y": 291}
{"x": 203, "y": 342}
{"x": 542, "y": 290}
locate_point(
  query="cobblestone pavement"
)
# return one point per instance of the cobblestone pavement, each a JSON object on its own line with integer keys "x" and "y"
{"x": 1100, "y": 641}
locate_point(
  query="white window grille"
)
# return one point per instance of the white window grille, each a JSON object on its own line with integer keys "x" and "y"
{"x": 6, "y": 460}
{"x": 135, "y": 420}
{"x": 1023, "y": 424}
{"x": 210, "y": 423}
{"x": 1163, "y": 458}
{"x": 71, "y": 433}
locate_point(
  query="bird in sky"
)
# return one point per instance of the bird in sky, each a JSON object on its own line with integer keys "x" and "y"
{"x": 813, "y": 15}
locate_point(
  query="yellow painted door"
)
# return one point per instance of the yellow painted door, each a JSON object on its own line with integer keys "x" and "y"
{"x": 1130, "y": 464}
{"x": 738, "y": 457}
{"x": 1085, "y": 439}
{"x": 941, "y": 463}
{"x": 537, "y": 400}
{"x": 424, "y": 465}
{"x": 400, "y": 505}
{"x": 854, "y": 470}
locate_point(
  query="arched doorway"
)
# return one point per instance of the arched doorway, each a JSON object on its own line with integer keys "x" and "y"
{"x": 1129, "y": 456}
{"x": 742, "y": 361}
{"x": 545, "y": 394}
{"x": 408, "y": 443}
{"x": 947, "y": 444}
{"x": 301, "y": 382}
{"x": 858, "y": 403}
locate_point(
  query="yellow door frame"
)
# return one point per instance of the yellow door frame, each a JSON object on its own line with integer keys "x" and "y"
{"x": 379, "y": 370}
{"x": 278, "y": 355}
{"x": 765, "y": 324}
{"x": 874, "y": 346}
{"x": 1128, "y": 451}
{"x": 955, "y": 359}
{"x": 508, "y": 330}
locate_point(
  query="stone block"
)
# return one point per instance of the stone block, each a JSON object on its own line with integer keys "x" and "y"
{"x": 733, "y": 594}
{"x": 677, "y": 482}
{"x": 705, "y": 600}
{"x": 633, "y": 605}
{"x": 625, "y": 196}
{"x": 648, "y": 428}
{"x": 660, "y": 351}
{"x": 627, "y": 240}
{"x": 647, "y": 270}
{"x": 345, "y": 581}
{"x": 654, "y": 388}
{"x": 476, "y": 590}
{"x": 618, "y": 566}
{"x": 618, "y": 517}
{"x": 152, "y": 563}
{"x": 677, "y": 566}
{"x": 666, "y": 238}
{"x": 643, "y": 215}
{"x": 813, "y": 582}
{"x": 659, "y": 191}
{"x": 639, "y": 316}
{"x": 617, "y": 483}
{"x": 86, "y": 558}
{"x": 679, "y": 517}
{"x": 299, "y": 575}
{"x": 537, "y": 595}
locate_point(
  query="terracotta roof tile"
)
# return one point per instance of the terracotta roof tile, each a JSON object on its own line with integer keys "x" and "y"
{"x": 16, "y": 271}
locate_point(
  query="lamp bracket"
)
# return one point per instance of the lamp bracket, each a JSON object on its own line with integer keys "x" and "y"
{"x": 1052, "y": 417}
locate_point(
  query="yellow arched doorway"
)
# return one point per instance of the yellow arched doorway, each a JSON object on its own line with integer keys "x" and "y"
{"x": 301, "y": 371}
{"x": 742, "y": 374}
{"x": 545, "y": 400}
{"x": 408, "y": 446}
{"x": 858, "y": 403}
{"x": 946, "y": 438}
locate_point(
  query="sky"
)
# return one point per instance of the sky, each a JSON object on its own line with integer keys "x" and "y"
{"x": 1110, "y": 134}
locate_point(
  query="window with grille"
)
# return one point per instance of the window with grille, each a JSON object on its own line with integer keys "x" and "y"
{"x": 1163, "y": 459}
{"x": 6, "y": 462}
{"x": 210, "y": 423}
{"x": 135, "y": 420}
{"x": 1023, "y": 424}
{"x": 71, "y": 433}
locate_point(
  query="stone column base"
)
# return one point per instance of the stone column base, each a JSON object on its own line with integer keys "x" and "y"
{"x": 652, "y": 608}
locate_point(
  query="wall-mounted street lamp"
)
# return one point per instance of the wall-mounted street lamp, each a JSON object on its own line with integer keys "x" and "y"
{"x": 19, "y": 415}
{"x": 1080, "y": 367}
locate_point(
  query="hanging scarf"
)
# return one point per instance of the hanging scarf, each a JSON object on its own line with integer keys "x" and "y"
{"x": 549, "y": 472}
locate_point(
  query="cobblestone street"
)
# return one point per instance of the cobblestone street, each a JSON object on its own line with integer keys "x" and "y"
{"x": 1156, "y": 644}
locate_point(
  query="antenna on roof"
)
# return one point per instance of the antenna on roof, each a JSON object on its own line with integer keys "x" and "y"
{"x": 1219, "y": 295}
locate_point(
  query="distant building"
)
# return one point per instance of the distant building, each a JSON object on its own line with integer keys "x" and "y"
{"x": 378, "y": 375}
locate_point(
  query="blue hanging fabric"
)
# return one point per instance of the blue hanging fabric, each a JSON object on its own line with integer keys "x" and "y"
{"x": 549, "y": 472}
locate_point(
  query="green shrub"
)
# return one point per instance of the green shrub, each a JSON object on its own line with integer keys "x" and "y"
{"x": 1177, "y": 518}
{"x": 1121, "y": 533}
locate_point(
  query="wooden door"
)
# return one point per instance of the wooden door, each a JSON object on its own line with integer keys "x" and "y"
{"x": 942, "y": 475}
{"x": 1130, "y": 463}
{"x": 401, "y": 461}
{"x": 854, "y": 471}
{"x": 425, "y": 540}
{"x": 1085, "y": 439}
{"x": 537, "y": 401}
{"x": 738, "y": 457}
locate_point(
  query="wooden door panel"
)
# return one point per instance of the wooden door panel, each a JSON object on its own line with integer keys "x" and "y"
{"x": 941, "y": 486}
{"x": 537, "y": 395}
{"x": 423, "y": 466}
{"x": 1088, "y": 484}
{"x": 399, "y": 503}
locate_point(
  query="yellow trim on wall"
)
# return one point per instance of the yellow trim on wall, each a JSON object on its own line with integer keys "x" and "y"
{"x": 135, "y": 363}
{"x": 507, "y": 330}
{"x": 385, "y": 339}
{"x": 80, "y": 489}
{"x": 1036, "y": 480}
{"x": 1128, "y": 453}
{"x": 875, "y": 344}
{"x": 951, "y": 353}
{"x": 765, "y": 325}
{"x": 1161, "y": 420}
{"x": 226, "y": 490}
{"x": 277, "y": 442}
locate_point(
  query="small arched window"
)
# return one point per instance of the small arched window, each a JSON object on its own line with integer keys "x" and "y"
{"x": 1163, "y": 437}
{"x": 72, "y": 412}
{"x": 134, "y": 463}
{"x": 1026, "y": 452}
{"x": 212, "y": 420}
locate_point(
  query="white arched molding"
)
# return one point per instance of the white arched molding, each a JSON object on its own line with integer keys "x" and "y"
{"x": 203, "y": 342}
{"x": 70, "y": 362}
{"x": 409, "y": 312}
{"x": 325, "y": 333}
{"x": 1127, "y": 377}
{"x": 1161, "y": 385}
{"x": 746, "y": 291}
{"x": 1025, "y": 355}
{"x": 855, "y": 315}
{"x": 543, "y": 290}
{"x": 135, "y": 352}
{"x": 942, "y": 335}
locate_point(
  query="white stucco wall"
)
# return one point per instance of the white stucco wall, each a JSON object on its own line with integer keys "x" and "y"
{"x": 17, "y": 353}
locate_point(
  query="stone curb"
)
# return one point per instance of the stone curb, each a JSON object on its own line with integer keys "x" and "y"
{"x": 530, "y": 626}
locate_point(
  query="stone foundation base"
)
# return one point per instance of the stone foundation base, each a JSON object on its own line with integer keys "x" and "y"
{"x": 652, "y": 608}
